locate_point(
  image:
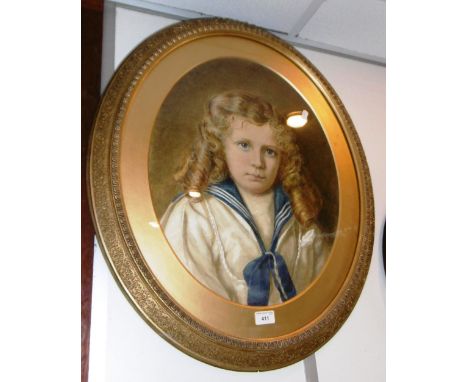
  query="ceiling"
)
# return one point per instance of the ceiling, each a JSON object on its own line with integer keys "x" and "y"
{"x": 350, "y": 28}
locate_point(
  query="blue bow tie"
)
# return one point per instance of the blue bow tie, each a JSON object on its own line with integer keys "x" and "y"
{"x": 269, "y": 264}
{"x": 257, "y": 275}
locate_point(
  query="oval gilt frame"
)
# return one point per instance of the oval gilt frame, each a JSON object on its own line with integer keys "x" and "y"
{"x": 153, "y": 280}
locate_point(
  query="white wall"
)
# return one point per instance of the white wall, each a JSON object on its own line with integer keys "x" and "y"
{"x": 357, "y": 352}
{"x": 125, "y": 348}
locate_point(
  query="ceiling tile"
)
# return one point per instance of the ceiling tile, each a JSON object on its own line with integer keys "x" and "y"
{"x": 278, "y": 15}
{"x": 354, "y": 25}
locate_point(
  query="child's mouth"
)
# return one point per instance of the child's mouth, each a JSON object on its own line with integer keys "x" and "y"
{"x": 256, "y": 176}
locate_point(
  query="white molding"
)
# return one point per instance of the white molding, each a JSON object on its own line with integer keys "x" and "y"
{"x": 305, "y": 18}
{"x": 331, "y": 49}
{"x": 183, "y": 14}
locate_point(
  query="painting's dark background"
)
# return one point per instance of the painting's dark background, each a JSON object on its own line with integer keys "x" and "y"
{"x": 180, "y": 113}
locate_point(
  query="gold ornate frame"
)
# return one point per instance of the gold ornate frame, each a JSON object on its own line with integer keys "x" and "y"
{"x": 173, "y": 303}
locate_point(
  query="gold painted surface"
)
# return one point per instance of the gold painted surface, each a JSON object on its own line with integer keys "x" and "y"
{"x": 177, "y": 306}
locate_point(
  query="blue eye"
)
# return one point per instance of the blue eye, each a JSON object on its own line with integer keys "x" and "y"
{"x": 244, "y": 146}
{"x": 270, "y": 153}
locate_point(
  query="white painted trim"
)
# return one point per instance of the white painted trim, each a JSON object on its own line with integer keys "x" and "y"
{"x": 183, "y": 14}
{"x": 159, "y": 9}
{"x": 306, "y": 16}
{"x": 331, "y": 49}
{"x": 108, "y": 44}
{"x": 99, "y": 317}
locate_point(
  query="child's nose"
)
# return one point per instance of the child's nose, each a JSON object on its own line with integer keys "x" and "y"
{"x": 257, "y": 159}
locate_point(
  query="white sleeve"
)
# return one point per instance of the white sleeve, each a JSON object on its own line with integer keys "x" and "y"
{"x": 313, "y": 250}
{"x": 321, "y": 252}
{"x": 187, "y": 227}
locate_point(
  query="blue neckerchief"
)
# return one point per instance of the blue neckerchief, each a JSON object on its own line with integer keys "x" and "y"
{"x": 270, "y": 263}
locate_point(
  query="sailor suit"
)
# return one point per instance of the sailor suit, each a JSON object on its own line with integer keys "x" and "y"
{"x": 218, "y": 240}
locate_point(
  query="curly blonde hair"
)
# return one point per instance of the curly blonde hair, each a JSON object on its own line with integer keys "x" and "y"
{"x": 206, "y": 164}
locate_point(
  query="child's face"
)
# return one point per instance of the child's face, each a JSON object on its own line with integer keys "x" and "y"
{"x": 252, "y": 156}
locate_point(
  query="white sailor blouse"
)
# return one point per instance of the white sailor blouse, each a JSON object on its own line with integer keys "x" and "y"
{"x": 216, "y": 239}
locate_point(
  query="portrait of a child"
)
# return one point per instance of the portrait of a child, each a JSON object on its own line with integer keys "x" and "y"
{"x": 246, "y": 225}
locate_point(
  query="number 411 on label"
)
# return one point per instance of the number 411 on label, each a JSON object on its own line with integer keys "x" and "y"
{"x": 265, "y": 317}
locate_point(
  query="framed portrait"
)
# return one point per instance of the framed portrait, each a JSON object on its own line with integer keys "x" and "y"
{"x": 241, "y": 240}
